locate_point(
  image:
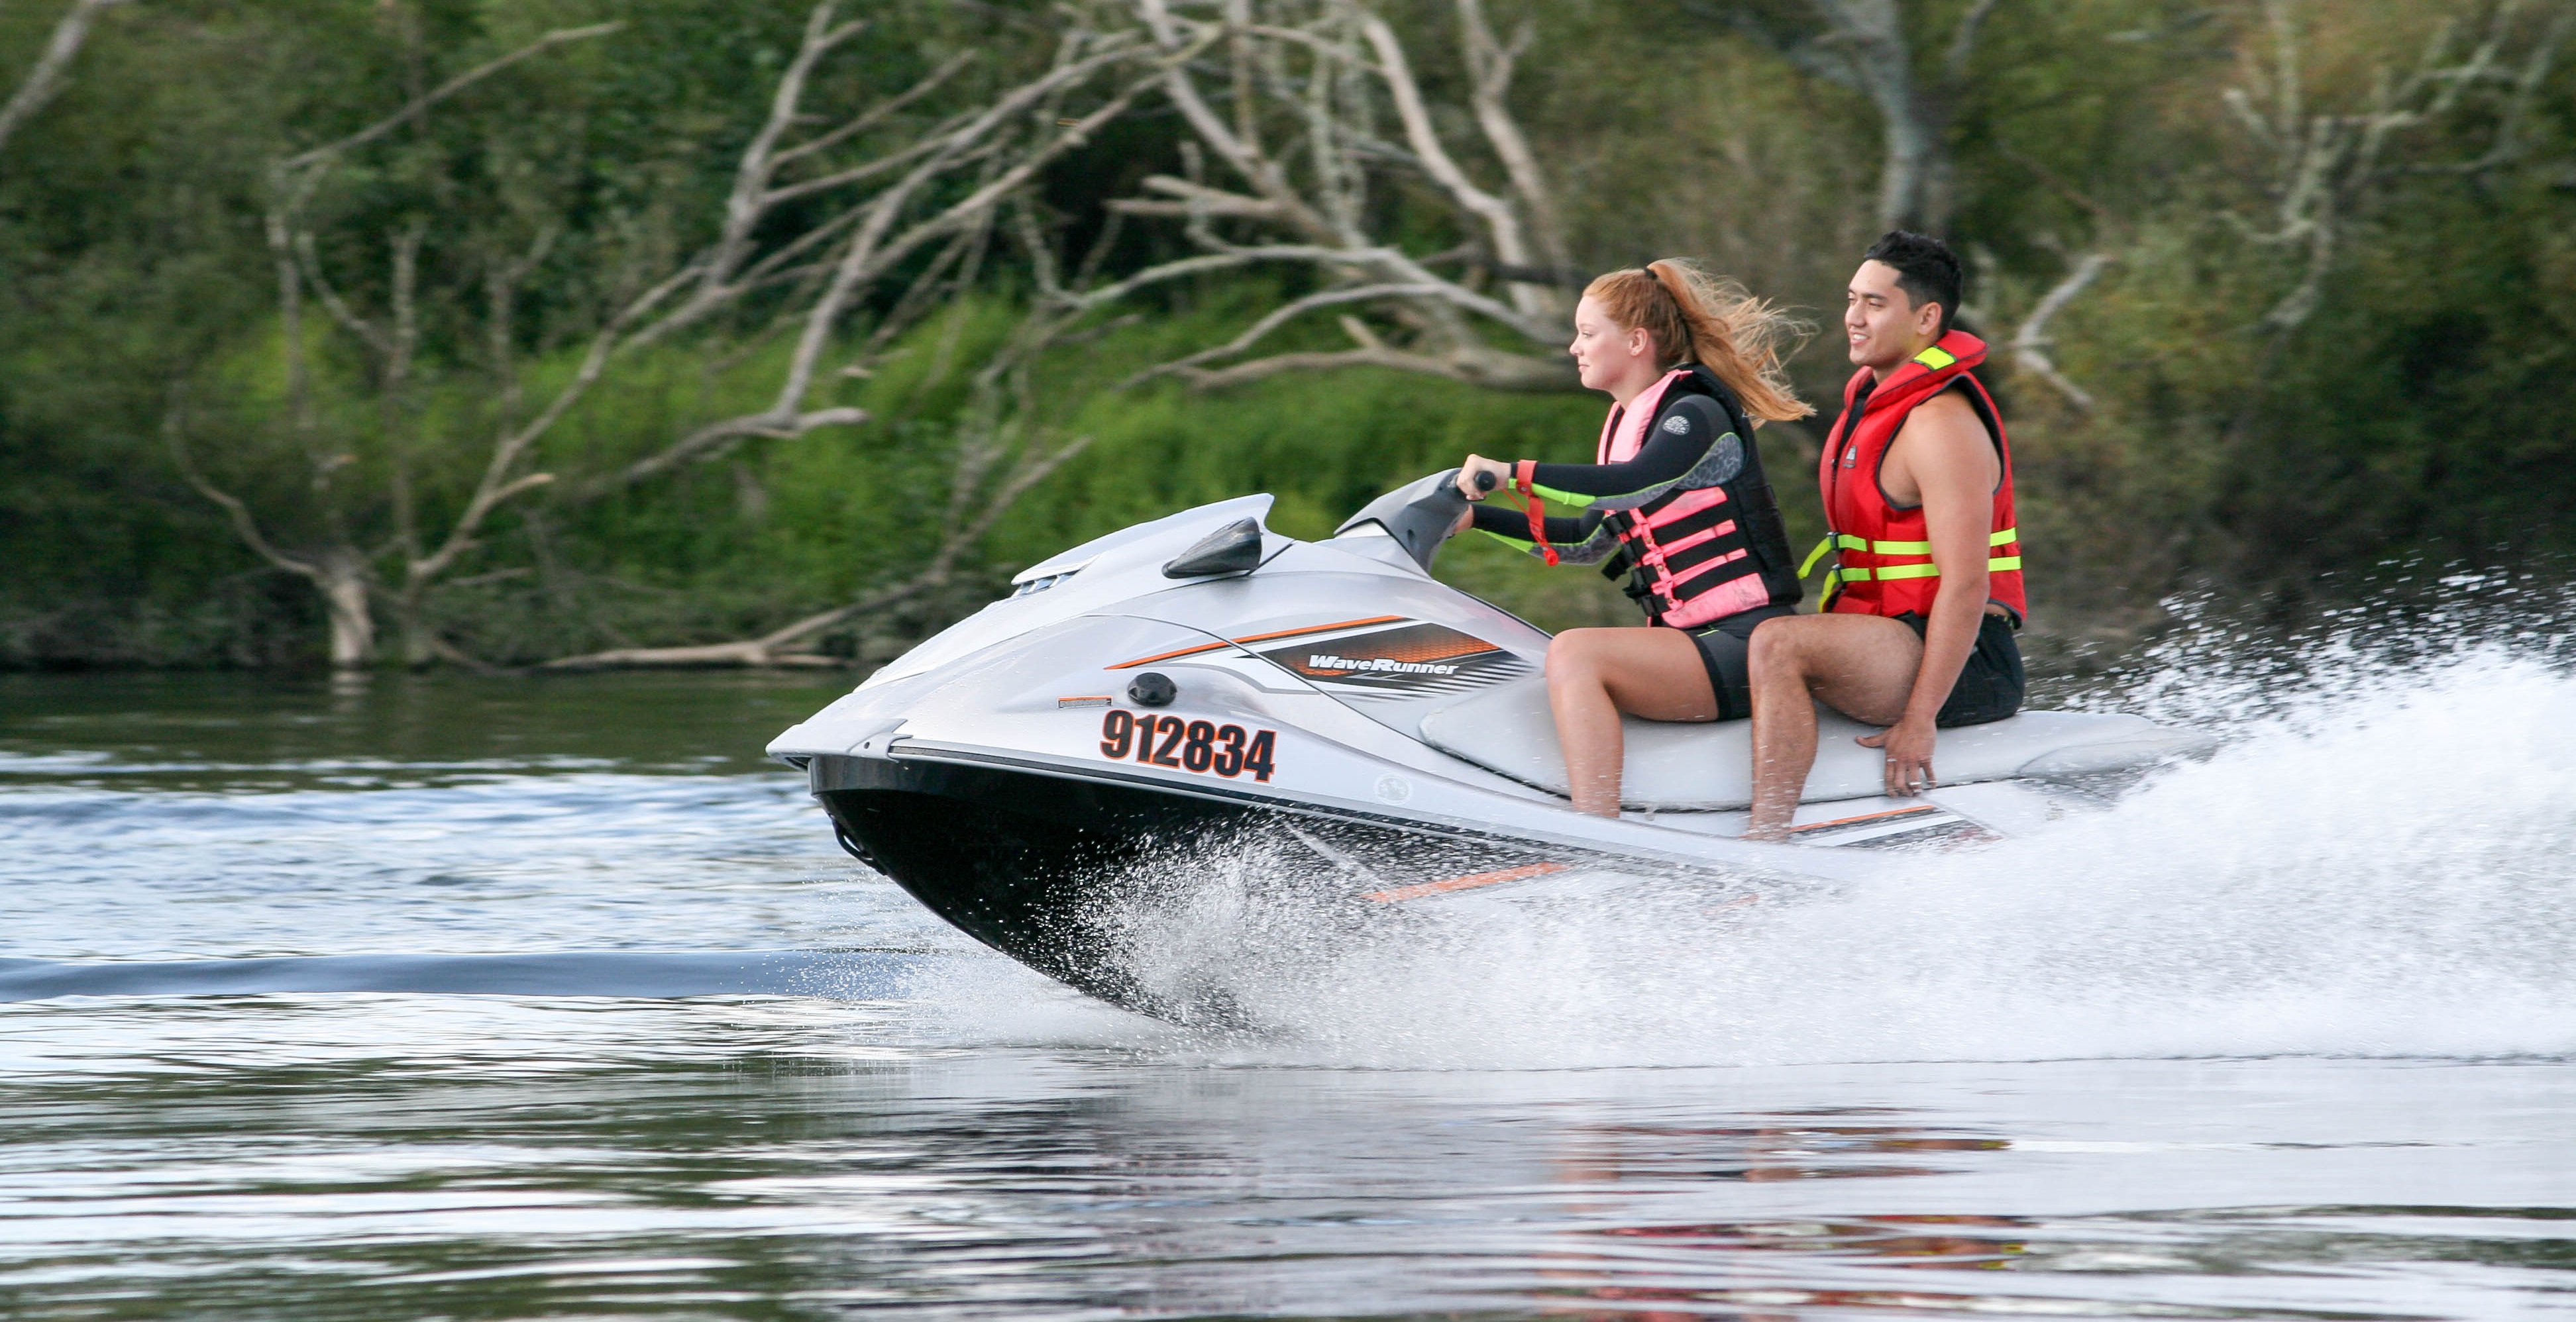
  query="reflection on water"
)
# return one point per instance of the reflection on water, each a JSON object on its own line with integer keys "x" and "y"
{"x": 875, "y": 1116}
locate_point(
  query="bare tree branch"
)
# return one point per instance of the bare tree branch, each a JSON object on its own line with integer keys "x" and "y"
{"x": 1293, "y": 117}
{"x": 2510, "y": 145}
{"x": 311, "y": 267}
{"x": 1488, "y": 368}
{"x": 878, "y": 245}
{"x": 2030, "y": 343}
{"x": 1963, "y": 41}
{"x": 775, "y": 648}
{"x": 245, "y": 524}
{"x": 769, "y": 649}
{"x": 1197, "y": 200}
{"x": 47, "y": 80}
{"x": 1005, "y": 408}
{"x": 421, "y": 105}
{"x": 703, "y": 442}
{"x": 293, "y": 182}
{"x": 1491, "y": 65}
{"x": 893, "y": 200}
{"x": 1280, "y": 316}
{"x": 1502, "y": 223}
{"x": 2327, "y": 168}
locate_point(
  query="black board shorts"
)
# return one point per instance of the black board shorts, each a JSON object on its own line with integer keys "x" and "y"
{"x": 1723, "y": 648}
{"x": 1991, "y": 683}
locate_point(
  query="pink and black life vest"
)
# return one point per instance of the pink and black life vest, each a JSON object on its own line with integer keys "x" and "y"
{"x": 1698, "y": 553}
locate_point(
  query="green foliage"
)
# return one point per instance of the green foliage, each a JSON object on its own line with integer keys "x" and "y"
{"x": 737, "y": 542}
{"x": 2418, "y": 410}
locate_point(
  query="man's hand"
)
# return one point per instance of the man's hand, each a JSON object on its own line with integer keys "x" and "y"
{"x": 1467, "y": 476}
{"x": 1909, "y": 756}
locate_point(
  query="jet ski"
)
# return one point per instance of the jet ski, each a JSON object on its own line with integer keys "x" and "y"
{"x": 1200, "y": 684}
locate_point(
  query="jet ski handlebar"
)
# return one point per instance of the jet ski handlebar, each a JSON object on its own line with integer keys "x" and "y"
{"x": 1420, "y": 515}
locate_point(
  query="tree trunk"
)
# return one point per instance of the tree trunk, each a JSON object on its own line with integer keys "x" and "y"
{"x": 418, "y": 650}
{"x": 1914, "y": 193}
{"x": 1915, "y": 183}
{"x": 343, "y": 582}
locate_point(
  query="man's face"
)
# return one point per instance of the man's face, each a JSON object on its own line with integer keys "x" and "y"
{"x": 1884, "y": 324}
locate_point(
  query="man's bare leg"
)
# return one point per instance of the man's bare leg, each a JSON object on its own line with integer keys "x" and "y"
{"x": 1595, "y": 674}
{"x": 1860, "y": 665}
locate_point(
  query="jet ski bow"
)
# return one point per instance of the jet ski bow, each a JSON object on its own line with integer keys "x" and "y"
{"x": 1201, "y": 682}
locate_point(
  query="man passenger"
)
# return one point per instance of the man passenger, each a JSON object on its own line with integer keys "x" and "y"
{"x": 1918, "y": 617}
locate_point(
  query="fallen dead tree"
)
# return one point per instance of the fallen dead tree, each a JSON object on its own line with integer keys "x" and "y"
{"x": 1002, "y": 447}
{"x": 826, "y": 206}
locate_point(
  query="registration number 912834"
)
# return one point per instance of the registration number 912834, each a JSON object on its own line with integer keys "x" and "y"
{"x": 1174, "y": 741}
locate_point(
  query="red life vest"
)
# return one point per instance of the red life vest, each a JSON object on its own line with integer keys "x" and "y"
{"x": 1886, "y": 553}
{"x": 1702, "y": 553}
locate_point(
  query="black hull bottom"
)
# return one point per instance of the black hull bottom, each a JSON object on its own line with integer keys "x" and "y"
{"x": 1033, "y": 865}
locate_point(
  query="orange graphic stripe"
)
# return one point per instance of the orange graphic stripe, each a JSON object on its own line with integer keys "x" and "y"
{"x": 1914, "y": 811}
{"x": 1469, "y": 882}
{"x": 1165, "y": 656}
{"x": 1252, "y": 638}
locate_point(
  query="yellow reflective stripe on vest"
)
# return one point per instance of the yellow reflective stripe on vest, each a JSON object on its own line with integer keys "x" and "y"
{"x": 2005, "y": 538}
{"x": 1887, "y": 573}
{"x": 1841, "y": 574}
{"x": 1935, "y": 358}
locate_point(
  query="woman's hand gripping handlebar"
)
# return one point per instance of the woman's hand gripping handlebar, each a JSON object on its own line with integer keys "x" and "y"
{"x": 1479, "y": 476}
{"x": 1474, "y": 483}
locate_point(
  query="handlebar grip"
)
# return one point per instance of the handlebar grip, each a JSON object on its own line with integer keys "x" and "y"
{"x": 1484, "y": 481}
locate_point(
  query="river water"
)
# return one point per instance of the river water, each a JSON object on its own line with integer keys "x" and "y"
{"x": 467, "y": 998}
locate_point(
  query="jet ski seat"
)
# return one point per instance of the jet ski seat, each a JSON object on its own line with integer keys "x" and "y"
{"x": 1708, "y": 767}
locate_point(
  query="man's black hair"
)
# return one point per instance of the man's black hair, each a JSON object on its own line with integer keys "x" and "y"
{"x": 1926, "y": 270}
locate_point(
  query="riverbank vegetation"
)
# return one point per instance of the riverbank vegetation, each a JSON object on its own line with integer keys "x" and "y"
{"x": 616, "y": 332}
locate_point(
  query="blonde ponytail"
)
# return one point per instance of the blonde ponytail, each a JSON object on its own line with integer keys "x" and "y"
{"x": 1694, "y": 317}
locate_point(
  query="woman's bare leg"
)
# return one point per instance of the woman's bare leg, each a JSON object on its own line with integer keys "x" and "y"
{"x": 1595, "y": 674}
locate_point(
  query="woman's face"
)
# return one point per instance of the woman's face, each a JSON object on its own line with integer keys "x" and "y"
{"x": 1605, "y": 352}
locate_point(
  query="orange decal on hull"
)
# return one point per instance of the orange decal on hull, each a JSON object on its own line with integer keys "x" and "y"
{"x": 1253, "y": 638}
{"x": 1469, "y": 882}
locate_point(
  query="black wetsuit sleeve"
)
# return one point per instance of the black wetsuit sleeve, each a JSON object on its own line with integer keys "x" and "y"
{"x": 1691, "y": 433}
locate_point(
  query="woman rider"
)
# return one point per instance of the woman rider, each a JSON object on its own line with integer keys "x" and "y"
{"x": 1676, "y": 499}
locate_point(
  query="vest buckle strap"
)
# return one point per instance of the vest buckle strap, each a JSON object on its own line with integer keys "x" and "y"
{"x": 1808, "y": 565}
